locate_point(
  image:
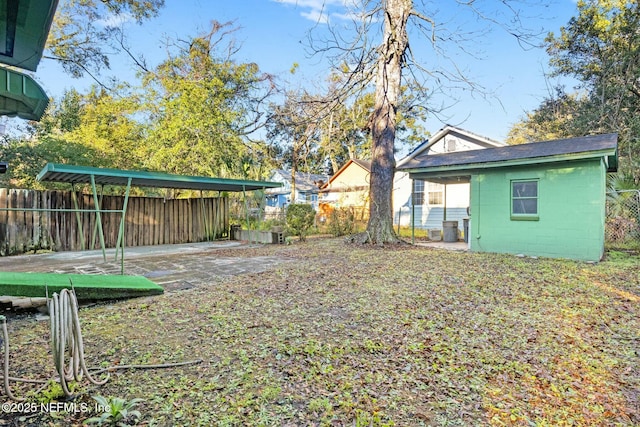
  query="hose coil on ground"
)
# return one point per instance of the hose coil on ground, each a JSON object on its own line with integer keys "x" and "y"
{"x": 66, "y": 339}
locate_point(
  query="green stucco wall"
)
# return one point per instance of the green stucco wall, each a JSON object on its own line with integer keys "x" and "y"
{"x": 571, "y": 211}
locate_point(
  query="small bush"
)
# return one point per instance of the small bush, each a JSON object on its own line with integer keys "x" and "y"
{"x": 300, "y": 220}
{"x": 342, "y": 222}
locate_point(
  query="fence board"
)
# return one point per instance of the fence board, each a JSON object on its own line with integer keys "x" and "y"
{"x": 159, "y": 218}
{"x": 179, "y": 212}
{"x": 189, "y": 235}
{"x": 168, "y": 206}
{"x": 140, "y": 223}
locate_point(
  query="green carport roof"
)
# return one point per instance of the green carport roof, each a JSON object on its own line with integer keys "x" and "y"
{"x": 21, "y": 96}
{"x": 82, "y": 174}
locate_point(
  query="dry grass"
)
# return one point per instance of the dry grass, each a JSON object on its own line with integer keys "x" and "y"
{"x": 347, "y": 335}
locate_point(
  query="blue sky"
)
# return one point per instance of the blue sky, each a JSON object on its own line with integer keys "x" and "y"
{"x": 273, "y": 34}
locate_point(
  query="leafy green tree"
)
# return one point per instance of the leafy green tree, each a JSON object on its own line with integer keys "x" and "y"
{"x": 555, "y": 118}
{"x": 26, "y": 158}
{"x": 600, "y": 47}
{"x": 105, "y": 122}
{"x": 202, "y": 108}
{"x": 61, "y": 116}
{"x": 97, "y": 129}
{"x": 108, "y": 125}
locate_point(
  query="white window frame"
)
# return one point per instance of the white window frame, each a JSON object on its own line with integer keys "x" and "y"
{"x": 515, "y": 198}
{"x": 435, "y": 190}
{"x": 417, "y": 196}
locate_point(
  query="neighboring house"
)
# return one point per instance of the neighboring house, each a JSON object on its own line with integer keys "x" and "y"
{"x": 431, "y": 197}
{"x": 307, "y": 188}
{"x": 538, "y": 199}
{"x": 348, "y": 188}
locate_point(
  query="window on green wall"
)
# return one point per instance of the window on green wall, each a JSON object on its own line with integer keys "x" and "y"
{"x": 524, "y": 199}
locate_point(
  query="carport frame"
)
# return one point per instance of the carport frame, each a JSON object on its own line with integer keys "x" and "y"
{"x": 72, "y": 174}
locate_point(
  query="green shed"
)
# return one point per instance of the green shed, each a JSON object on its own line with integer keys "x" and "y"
{"x": 538, "y": 199}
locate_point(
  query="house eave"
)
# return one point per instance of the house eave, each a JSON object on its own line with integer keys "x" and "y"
{"x": 448, "y": 129}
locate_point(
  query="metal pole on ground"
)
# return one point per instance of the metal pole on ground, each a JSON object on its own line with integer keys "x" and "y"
{"x": 98, "y": 216}
{"x": 204, "y": 216}
{"x": 122, "y": 227}
{"x": 413, "y": 212}
{"x": 215, "y": 211}
{"x": 95, "y": 227}
{"x": 246, "y": 211}
{"x": 78, "y": 217}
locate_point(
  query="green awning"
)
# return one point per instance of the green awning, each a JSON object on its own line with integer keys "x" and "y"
{"x": 21, "y": 96}
{"x": 24, "y": 27}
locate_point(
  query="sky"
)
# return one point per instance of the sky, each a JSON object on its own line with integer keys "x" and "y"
{"x": 273, "y": 34}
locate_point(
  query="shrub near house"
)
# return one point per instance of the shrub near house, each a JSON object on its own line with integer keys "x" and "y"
{"x": 300, "y": 219}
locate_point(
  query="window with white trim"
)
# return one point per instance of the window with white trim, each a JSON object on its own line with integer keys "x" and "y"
{"x": 524, "y": 199}
{"x": 418, "y": 192}
{"x": 435, "y": 194}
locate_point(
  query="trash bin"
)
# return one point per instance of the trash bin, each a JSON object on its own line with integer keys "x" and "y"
{"x": 450, "y": 231}
{"x": 234, "y": 232}
{"x": 465, "y": 228}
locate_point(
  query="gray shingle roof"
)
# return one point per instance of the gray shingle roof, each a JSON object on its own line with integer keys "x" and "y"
{"x": 304, "y": 181}
{"x": 532, "y": 151}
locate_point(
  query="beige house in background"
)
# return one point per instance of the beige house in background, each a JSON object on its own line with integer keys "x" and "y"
{"x": 348, "y": 188}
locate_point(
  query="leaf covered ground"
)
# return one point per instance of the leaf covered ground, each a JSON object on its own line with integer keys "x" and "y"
{"x": 343, "y": 335}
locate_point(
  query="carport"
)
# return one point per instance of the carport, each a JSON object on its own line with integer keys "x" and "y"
{"x": 79, "y": 175}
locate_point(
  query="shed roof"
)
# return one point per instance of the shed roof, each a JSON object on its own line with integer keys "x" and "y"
{"x": 533, "y": 153}
{"x": 53, "y": 172}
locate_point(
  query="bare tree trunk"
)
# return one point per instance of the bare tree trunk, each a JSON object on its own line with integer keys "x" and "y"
{"x": 383, "y": 122}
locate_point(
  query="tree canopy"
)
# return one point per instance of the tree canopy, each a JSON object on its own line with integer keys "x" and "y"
{"x": 202, "y": 106}
{"x": 600, "y": 47}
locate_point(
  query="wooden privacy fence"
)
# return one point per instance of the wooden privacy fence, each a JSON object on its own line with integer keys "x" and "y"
{"x": 46, "y": 220}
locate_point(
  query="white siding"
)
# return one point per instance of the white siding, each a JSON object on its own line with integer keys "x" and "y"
{"x": 429, "y": 216}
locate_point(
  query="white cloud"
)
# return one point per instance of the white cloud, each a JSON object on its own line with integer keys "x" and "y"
{"x": 321, "y": 11}
{"x": 316, "y": 16}
{"x": 313, "y": 4}
{"x": 115, "y": 20}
